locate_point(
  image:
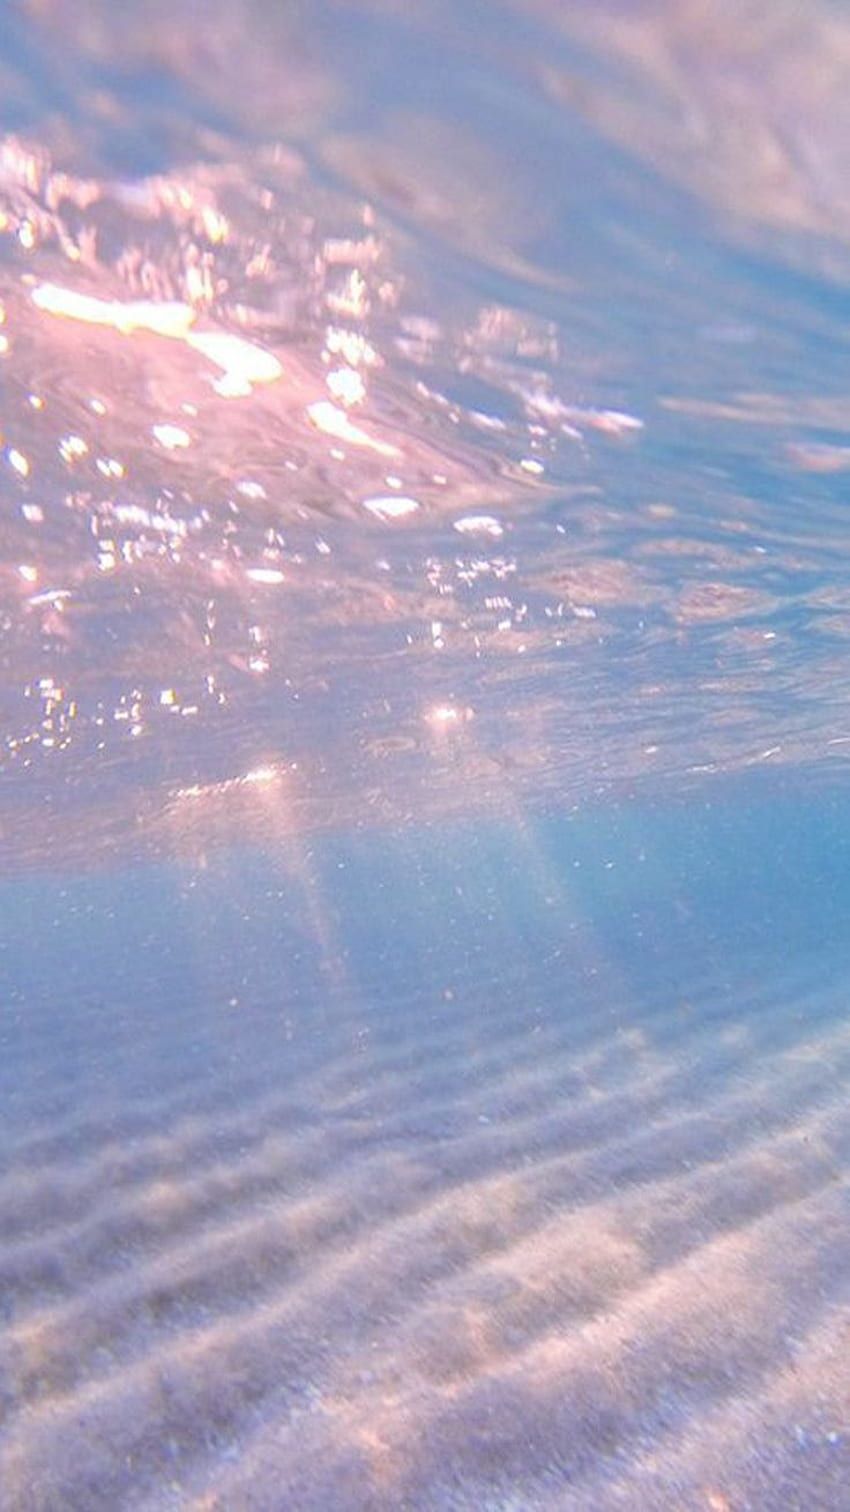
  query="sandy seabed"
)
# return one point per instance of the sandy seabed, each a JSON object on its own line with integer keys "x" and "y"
{"x": 436, "y": 1253}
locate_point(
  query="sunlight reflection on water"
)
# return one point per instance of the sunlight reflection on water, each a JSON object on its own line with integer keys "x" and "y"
{"x": 424, "y": 611}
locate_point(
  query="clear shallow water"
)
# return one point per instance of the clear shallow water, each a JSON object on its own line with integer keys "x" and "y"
{"x": 422, "y": 797}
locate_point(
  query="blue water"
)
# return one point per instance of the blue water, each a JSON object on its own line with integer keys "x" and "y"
{"x": 424, "y": 823}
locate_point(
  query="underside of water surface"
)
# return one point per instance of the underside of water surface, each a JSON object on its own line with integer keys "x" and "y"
{"x": 424, "y": 715}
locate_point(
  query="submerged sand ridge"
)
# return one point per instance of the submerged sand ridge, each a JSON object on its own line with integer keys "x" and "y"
{"x": 575, "y": 1240}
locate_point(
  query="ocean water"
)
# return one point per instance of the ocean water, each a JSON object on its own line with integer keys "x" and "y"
{"x": 424, "y": 717}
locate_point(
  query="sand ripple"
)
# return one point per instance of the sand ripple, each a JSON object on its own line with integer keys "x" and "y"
{"x": 447, "y": 1256}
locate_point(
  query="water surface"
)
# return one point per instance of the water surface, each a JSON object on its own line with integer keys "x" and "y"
{"x": 423, "y": 810}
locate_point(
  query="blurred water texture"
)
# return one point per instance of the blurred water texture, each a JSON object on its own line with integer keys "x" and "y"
{"x": 424, "y": 612}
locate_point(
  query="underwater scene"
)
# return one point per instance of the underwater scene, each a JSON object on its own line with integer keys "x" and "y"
{"x": 424, "y": 742}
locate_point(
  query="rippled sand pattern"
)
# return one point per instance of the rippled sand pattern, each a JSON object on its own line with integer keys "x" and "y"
{"x": 441, "y": 1255}
{"x": 424, "y": 833}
